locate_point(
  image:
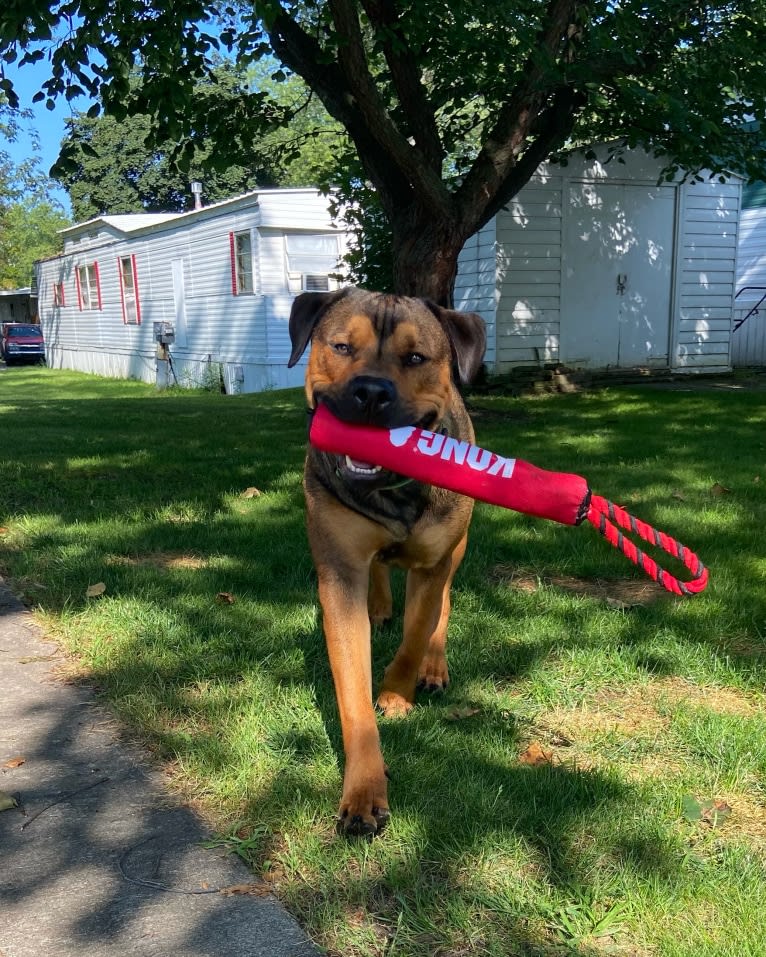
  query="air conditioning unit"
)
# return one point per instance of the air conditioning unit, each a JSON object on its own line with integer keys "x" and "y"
{"x": 310, "y": 282}
{"x": 315, "y": 282}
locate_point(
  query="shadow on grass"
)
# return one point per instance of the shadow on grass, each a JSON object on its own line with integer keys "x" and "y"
{"x": 100, "y": 485}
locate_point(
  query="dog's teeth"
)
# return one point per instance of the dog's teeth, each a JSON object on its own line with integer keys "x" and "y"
{"x": 359, "y": 468}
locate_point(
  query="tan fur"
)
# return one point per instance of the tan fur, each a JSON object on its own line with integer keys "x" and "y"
{"x": 365, "y": 334}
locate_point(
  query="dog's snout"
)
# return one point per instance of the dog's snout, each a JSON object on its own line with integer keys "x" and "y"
{"x": 372, "y": 395}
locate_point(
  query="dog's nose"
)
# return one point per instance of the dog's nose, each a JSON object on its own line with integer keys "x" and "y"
{"x": 372, "y": 395}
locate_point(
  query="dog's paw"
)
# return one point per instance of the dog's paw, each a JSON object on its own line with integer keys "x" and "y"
{"x": 363, "y": 808}
{"x": 393, "y": 705}
{"x": 433, "y": 674}
{"x": 380, "y": 616}
{"x": 359, "y": 825}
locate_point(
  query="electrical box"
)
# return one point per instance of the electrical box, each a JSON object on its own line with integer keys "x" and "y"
{"x": 164, "y": 333}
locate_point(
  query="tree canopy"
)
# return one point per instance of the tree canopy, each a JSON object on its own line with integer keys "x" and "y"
{"x": 29, "y": 217}
{"x": 450, "y": 106}
{"x": 117, "y": 166}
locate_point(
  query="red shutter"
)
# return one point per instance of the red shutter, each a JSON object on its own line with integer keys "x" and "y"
{"x": 233, "y": 254}
{"x": 98, "y": 284}
{"x": 122, "y": 292}
{"x": 135, "y": 291}
{"x": 77, "y": 286}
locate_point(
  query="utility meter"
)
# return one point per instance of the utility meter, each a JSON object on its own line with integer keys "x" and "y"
{"x": 164, "y": 333}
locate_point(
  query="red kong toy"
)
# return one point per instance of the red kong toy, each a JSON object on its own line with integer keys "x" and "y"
{"x": 438, "y": 459}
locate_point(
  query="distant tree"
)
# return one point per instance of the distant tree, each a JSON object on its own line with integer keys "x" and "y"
{"x": 451, "y": 107}
{"x": 112, "y": 168}
{"x": 111, "y": 165}
{"x": 28, "y": 232}
{"x": 29, "y": 217}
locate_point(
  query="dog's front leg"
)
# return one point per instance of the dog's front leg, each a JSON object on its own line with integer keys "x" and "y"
{"x": 343, "y": 596}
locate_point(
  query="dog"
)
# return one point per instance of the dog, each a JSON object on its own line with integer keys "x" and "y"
{"x": 386, "y": 361}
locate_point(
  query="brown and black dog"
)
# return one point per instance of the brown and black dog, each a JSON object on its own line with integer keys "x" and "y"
{"x": 387, "y": 361}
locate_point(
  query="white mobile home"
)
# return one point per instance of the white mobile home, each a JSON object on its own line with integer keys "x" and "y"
{"x": 223, "y": 276}
{"x": 597, "y": 264}
{"x": 749, "y": 334}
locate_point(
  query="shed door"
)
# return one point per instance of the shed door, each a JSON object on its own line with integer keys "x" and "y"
{"x": 617, "y": 275}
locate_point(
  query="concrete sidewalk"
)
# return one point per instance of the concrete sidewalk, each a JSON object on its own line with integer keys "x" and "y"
{"x": 101, "y": 861}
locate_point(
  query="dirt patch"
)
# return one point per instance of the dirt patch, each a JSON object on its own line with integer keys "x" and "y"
{"x": 165, "y": 560}
{"x": 617, "y": 593}
{"x": 724, "y": 701}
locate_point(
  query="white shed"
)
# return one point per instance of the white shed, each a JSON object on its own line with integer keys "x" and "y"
{"x": 597, "y": 264}
{"x": 224, "y": 276}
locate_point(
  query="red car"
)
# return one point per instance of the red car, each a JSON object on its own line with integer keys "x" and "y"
{"x": 22, "y": 342}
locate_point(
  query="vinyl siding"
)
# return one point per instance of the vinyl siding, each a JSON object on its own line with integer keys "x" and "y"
{"x": 519, "y": 283}
{"x": 246, "y": 335}
{"x": 749, "y": 341}
{"x": 476, "y": 282}
{"x": 705, "y": 286}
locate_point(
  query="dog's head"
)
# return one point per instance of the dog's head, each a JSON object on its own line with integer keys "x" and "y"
{"x": 384, "y": 360}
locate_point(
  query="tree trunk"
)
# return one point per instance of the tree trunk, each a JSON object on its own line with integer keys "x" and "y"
{"x": 425, "y": 252}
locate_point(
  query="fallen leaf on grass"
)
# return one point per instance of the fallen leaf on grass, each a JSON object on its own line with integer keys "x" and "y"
{"x": 711, "y": 812}
{"x": 253, "y": 890}
{"x": 461, "y": 712}
{"x": 3, "y": 530}
{"x": 225, "y": 598}
{"x": 251, "y": 492}
{"x": 7, "y": 801}
{"x": 14, "y": 762}
{"x": 93, "y": 591}
{"x": 536, "y": 755}
{"x": 718, "y": 489}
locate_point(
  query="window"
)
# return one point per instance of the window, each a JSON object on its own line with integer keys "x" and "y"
{"x": 58, "y": 294}
{"x": 310, "y": 260}
{"x": 131, "y": 309}
{"x": 88, "y": 287}
{"x": 241, "y": 263}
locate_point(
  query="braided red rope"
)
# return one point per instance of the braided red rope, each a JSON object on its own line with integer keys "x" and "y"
{"x": 598, "y": 511}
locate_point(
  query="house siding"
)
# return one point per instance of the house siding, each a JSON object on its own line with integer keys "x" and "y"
{"x": 529, "y": 264}
{"x": 529, "y": 234}
{"x": 749, "y": 340}
{"x": 476, "y": 285}
{"x": 183, "y": 268}
{"x": 705, "y": 289}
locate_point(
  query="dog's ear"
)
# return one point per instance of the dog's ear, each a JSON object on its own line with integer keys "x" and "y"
{"x": 467, "y": 337}
{"x": 307, "y": 310}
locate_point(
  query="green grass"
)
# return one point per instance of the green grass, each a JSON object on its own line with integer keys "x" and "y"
{"x": 642, "y": 703}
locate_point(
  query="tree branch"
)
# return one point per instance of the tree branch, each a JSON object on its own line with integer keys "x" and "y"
{"x": 552, "y": 130}
{"x": 516, "y": 119}
{"x": 415, "y": 165}
{"x": 347, "y": 89}
{"x": 411, "y": 93}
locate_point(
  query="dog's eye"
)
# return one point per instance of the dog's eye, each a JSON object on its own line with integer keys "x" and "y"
{"x": 342, "y": 348}
{"x": 414, "y": 359}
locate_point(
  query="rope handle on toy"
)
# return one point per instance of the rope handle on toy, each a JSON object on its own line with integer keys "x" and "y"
{"x": 439, "y": 459}
{"x": 598, "y": 511}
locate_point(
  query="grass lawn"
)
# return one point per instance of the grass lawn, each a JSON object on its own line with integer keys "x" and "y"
{"x": 554, "y": 800}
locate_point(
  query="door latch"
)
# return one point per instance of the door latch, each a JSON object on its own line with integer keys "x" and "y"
{"x": 622, "y": 283}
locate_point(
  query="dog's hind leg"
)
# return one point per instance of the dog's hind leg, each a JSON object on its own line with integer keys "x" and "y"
{"x": 379, "y": 601}
{"x": 433, "y": 674}
{"x": 421, "y": 656}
